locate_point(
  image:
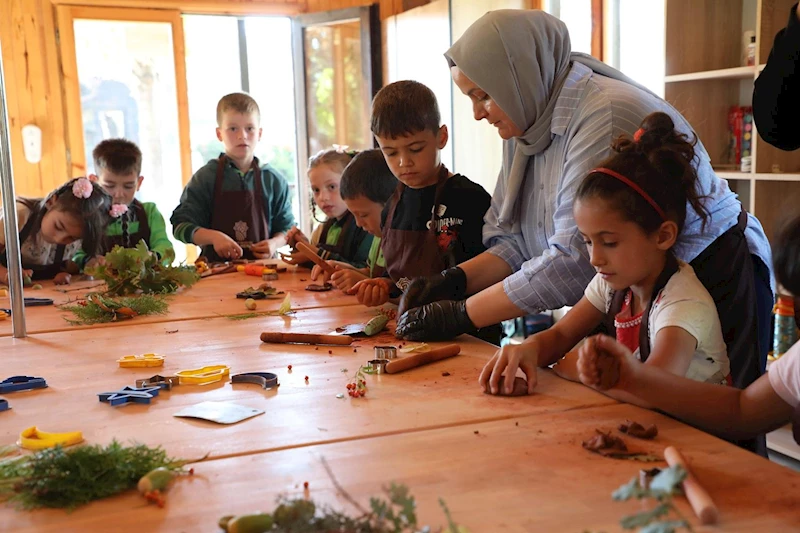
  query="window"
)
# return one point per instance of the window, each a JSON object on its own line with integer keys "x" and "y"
{"x": 635, "y": 40}
{"x": 577, "y": 15}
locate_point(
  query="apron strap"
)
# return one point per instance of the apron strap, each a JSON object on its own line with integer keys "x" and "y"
{"x": 618, "y": 299}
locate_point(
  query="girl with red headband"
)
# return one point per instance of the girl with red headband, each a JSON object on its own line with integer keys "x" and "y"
{"x": 630, "y": 211}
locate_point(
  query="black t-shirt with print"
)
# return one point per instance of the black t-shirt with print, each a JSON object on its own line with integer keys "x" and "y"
{"x": 462, "y": 205}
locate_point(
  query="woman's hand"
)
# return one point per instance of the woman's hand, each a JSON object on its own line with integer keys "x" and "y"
{"x": 62, "y": 278}
{"x": 440, "y": 320}
{"x": 504, "y": 364}
{"x": 604, "y": 363}
{"x": 371, "y": 292}
{"x": 262, "y": 249}
{"x": 451, "y": 284}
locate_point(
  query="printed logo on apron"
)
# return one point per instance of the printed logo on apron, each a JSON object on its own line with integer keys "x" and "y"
{"x": 240, "y": 229}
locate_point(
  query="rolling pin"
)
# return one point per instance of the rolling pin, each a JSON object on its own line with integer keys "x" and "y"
{"x": 698, "y": 497}
{"x": 305, "y": 338}
{"x": 424, "y": 358}
{"x": 303, "y": 247}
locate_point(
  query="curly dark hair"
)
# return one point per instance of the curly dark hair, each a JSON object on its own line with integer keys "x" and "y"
{"x": 661, "y": 163}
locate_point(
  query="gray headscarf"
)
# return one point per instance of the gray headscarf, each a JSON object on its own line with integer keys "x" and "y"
{"x": 521, "y": 58}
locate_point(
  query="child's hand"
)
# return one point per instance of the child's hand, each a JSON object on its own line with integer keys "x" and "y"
{"x": 95, "y": 261}
{"x": 346, "y": 278}
{"x": 62, "y": 278}
{"x": 317, "y": 271}
{"x": 226, "y": 247}
{"x": 26, "y": 273}
{"x": 371, "y": 292}
{"x": 505, "y": 363}
{"x": 262, "y": 249}
{"x": 604, "y": 363}
{"x": 294, "y": 235}
{"x": 295, "y": 258}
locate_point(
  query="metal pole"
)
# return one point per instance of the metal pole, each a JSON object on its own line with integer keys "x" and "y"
{"x": 13, "y": 258}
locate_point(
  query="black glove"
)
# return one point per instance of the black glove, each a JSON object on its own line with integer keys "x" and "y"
{"x": 450, "y": 284}
{"x": 435, "y": 321}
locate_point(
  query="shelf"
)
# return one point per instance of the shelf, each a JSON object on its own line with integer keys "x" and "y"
{"x": 734, "y": 174}
{"x": 762, "y": 176}
{"x": 721, "y": 74}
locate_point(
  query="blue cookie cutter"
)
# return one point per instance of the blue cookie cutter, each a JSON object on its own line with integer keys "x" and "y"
{"x": 19, "y": 383}
{"x": 4, "y": 405}
{"x": 129, "y": 395}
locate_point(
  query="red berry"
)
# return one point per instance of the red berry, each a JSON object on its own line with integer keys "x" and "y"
{"x": 305, "y": 484}
{"x": 350, "y": 393}
{"x": 306, "y": 378}
{"x": 330, "y": 352}
{"x": 290, "y": 367}
{"x": 191, "y": 471}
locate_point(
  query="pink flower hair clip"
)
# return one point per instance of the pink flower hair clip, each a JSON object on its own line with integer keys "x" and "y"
{"x": 117, "y": 210}
{"x": 82, "y": 188}
{"x": 340, "y": 148}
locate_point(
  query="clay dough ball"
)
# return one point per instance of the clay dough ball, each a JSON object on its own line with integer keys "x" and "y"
{"x": 250, "y": 304}
{"x": 520, "y": 387}
{"x": 608, "y": 369}
{"x": 319, "y": 288}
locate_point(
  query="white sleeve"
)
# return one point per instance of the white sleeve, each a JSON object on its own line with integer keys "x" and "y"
{"x": 784, "y": 376}
{"x": 598, "y": 293}
{"x": 697, "y": 317}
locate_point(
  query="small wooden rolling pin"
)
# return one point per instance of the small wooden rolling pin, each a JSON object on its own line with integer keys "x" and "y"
{"x": 305, "y": 338}
{"x": 413, "y": 361}
{"x": 698, "y": 497}
{"x": 303, "y": 247}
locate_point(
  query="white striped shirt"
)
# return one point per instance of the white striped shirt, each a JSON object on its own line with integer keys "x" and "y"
{"x": 548, "y": 257}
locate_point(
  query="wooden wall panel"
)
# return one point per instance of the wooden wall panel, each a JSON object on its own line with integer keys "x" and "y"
{"x": 219, "y": 7}
{"x": 703, "y": 35}
{"x": 33, "y": 92}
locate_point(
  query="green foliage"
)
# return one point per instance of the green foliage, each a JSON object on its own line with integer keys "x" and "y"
{"x": 67, "y": 479}
{"x": 661, "y": 488}
{"x": 394, "y": 512}
{"x": 137, "y": 270}
{"x": 99, "y": 309}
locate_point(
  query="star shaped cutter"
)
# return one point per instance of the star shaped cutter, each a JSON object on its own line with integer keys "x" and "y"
{"x": 129, "y": 395}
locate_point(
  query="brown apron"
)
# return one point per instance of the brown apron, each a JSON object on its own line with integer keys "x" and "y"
{"x": 345, "y": 245}
{"x": 413, "y": 253}
{"x": 238, "y": 214}
{"x": 133, "y": 239}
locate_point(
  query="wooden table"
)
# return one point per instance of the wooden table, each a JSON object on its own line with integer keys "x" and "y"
{"x": 297, "y": 413}
{"x": 210, "y": 297}
{"x": 527, "y": 473}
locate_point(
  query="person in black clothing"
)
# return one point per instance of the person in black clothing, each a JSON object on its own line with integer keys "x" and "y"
{"x": 776, "y": 97}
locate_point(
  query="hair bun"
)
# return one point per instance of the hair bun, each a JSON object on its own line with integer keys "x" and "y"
{"x": 657, "y": 128}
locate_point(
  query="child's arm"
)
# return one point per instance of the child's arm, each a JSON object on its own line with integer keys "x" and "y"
{"x": 371, "y": 292}
{"x": 159, "y": 241}
{"x": 540, "y": 350}
{"x": 359, "y": 260}
{"x": 604, "y": 363}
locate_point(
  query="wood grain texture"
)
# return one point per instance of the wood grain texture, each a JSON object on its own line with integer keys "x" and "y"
{"x": 221, "y": 7}
{"x": 210, "y": 298}
{"x": 81, "y": 364}
{"x": 523, "y": 474}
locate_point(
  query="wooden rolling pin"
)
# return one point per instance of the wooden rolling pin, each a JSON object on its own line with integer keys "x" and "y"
{"x": 306, "y": 249}
{"x": 698, "y": 497}
{"x": 423, "y": 358}
{"x": 305, "y": 338}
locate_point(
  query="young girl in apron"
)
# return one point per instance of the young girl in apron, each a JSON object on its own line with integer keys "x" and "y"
{"x": 768, "y": 403}
{"x": 53, "y": 228}
{"x": 339, "y": 238}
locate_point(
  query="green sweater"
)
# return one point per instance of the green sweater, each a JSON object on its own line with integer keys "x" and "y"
{"x": 375, "y": 257}
{"x": 344, "y": 232}
{"x": 197, "y": 201}
{"x": 159, "y": 241}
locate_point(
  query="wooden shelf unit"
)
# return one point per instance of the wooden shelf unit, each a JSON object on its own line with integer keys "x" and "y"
{"x": 705, "y": 78}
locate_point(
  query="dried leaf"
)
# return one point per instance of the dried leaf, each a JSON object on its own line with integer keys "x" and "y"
{"x": 416, "y": 348}
{"x": 637, "y": 430}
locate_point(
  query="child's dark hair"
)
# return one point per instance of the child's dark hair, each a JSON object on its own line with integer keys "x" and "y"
{"x": 93, "y": 212}
{"x": 786, "y": 255}
{"x": 368, "y": 175}
{"x": 118, "y": 156}
{"x": 659, "y": 161}
{"x": 404, "y": 108}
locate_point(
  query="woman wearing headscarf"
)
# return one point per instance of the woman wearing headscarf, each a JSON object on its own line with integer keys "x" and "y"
{"x": 557, "y": 113}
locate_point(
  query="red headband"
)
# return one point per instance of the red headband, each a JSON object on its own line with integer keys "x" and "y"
{"x": 632, "y": 185}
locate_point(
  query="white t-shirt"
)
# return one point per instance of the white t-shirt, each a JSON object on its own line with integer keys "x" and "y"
{"x": 35, "y": 251}
{"x": 784, "y": 376}
{"x": 685, "y": 303}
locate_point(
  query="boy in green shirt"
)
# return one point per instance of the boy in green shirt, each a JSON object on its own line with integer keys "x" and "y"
{"x": 233, "y": 207}
{"x": 366, "y": 186}
{"x": 118, "y": 163}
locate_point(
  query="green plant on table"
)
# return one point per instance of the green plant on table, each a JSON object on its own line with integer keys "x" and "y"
{"x": 665, "y": 485}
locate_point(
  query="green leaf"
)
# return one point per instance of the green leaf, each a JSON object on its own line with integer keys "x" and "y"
{"x": 644, "y": 518}
{"x": 631, "y": 489}
{"x": 286, "y": 306}
{"x": 664, "y": 527}
{"x": 668, "y": 480}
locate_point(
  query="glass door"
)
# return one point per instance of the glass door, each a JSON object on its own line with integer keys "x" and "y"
{"x": 338, "y": 71}
{"x": 125, "y": 76}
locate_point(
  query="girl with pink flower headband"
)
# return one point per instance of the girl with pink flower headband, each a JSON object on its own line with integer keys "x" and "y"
{"x": 73, "y": 216}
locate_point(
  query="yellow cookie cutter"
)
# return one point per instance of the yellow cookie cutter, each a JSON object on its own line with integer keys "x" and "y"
{"x": 202, "y": 376}
{"x": 33, "y": 439}
{"x": 140, "y": 361}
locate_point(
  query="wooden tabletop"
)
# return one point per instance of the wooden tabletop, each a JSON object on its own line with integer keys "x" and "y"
{"x": 210, "y": 297}
{"x": 82, "y": 365}
{"x": 527, "y": 473}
